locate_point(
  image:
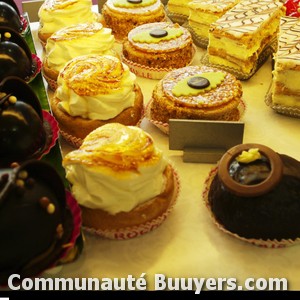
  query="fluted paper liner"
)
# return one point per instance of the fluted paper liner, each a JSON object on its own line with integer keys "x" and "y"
{"x": 256, "y": 242}
{"x": 175, "y": 17}
{"x": 136, "y": 231}
{"x": 164, "y": 127}
{"x": 150, "y": 72}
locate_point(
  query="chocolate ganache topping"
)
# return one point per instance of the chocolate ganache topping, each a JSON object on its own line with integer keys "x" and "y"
{"x": 35, "y": 222}
{"x": 251, "y": 173}
{"x": 22, "y": 132}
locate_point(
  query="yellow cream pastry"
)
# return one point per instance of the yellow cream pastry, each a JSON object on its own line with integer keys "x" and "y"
{"x": 237, "y": 39}
{"x": 73, "y": 41}
{"x": 179, "y": 7}
{"x": 285, "y": 83}
{"x": 94, "y": 90}
{"x": 124, "y": 15}
{"x": 116, "y": 174}
{"x": 56, "y": 14}
{"x": 202, "y": 13}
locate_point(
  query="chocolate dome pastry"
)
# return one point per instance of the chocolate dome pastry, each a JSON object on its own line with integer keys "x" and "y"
{"x": 255, "y": 193}
{"x": 10, "y": 17}
{"x": 35, "y": 221}
{"x": 15, "y": 55}
{"x": 23, "y": 132}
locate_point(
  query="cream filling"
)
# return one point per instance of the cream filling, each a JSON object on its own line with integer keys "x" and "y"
{"x": 179, "y": 7}
{"x": 102, "y": 188}
{"x": 59, "y": 52}
{"x": 101, "y": 106}
{"x": 54, "y": 19}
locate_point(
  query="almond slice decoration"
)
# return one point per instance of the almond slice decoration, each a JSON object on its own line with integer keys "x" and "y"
{"x": 256, "y": 189}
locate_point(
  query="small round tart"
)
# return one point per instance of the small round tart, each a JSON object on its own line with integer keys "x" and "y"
{"x": 124, "y": 15}
{"x": 254, "y": 195}
{"x": 182, "y": 95}
{"x": 159, "y": 45}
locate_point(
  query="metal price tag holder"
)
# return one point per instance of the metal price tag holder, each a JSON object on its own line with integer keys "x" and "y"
{"x": 204, "y": 141}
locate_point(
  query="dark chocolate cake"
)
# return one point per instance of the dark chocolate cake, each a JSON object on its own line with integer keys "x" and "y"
{"x": 35, "y": 221}
{"x": 259, "y": 199}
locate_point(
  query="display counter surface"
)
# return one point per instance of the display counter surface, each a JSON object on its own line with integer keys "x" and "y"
{"x": 188, "y": 244}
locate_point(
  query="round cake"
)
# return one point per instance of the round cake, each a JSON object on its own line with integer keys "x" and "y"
{"x": 57, "y": 14}
{"x": 196, "y": 92}
{"x": 22, "y": 132}
{"x": 131, "y": 184}
{"x": 73, "y": 41}
{"x": 123, "y": 15}
{"x": 94, "y": 90}
{"x": 159, "y": 45}
{"x": 255, "y": 193}
{"x": 36, "y": 223}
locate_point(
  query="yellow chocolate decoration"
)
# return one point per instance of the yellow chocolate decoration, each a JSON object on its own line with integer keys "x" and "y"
{"x": 183, "y": 89}
{"x": 126, "y": 4}
{"x": 145, "y": 37}
{"x": 249, "y": 156}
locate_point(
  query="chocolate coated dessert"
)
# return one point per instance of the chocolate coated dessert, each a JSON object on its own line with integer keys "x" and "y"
{"x": 10, "y": 17}
{"x": 22, "y": 132}
{"x": 15, "y": 55}
{"x": 257, "y": 198}
{"x": 35, "y": 222}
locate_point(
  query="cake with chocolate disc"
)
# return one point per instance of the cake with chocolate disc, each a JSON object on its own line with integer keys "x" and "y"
{"x": 285, "y": 91}
{"x": 73, "y": 41}
{"x": 196, "y": 92}
{"x": 160, "y": 45}
{"x": 138, "y": 185}
{"x": 36, "y": 223}
{"x": 23, "y": 134}
{"x": 57, "y": 14}
{"x": 255, "y": 193}
{"x": 124, "y": 15}
{"x": 15, "y": 55}
{"x": 94, "y": 90}
{"x": 238, "y": 39}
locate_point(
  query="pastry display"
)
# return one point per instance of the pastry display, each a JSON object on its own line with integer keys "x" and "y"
{"x": 24, "y": 133}
{"x": 254, "y": 194}
{"x": 196, "y": 92}
{"x": 94, "y": 90}
{"x": 203, "y": 13}
{"x": 284, "y": 93}
{"x": 73, "y": 41}
{"x": 138, "y": 185}
{"x": 178, "y": 10}
{"x": 124, "y": 15}
{"x": 238, "y": 40}
{"x": 158, "y": 46}
{"x": 16, "y": 58}
{"x": 36, "y": 224}
{"x": 57, "y": 14}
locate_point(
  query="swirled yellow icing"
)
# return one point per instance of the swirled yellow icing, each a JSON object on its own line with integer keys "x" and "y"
{"x": 116, "y": 168}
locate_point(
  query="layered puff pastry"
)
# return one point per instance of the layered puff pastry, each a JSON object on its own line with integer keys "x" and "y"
{"x": 130, "y": 182}
{"x": 94, "y": 90}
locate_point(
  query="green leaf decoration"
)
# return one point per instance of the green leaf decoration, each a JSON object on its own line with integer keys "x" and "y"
{"x": 126, "y": 4}
{"x": 145, "y": 37}
{"x": 183, "y": 89}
